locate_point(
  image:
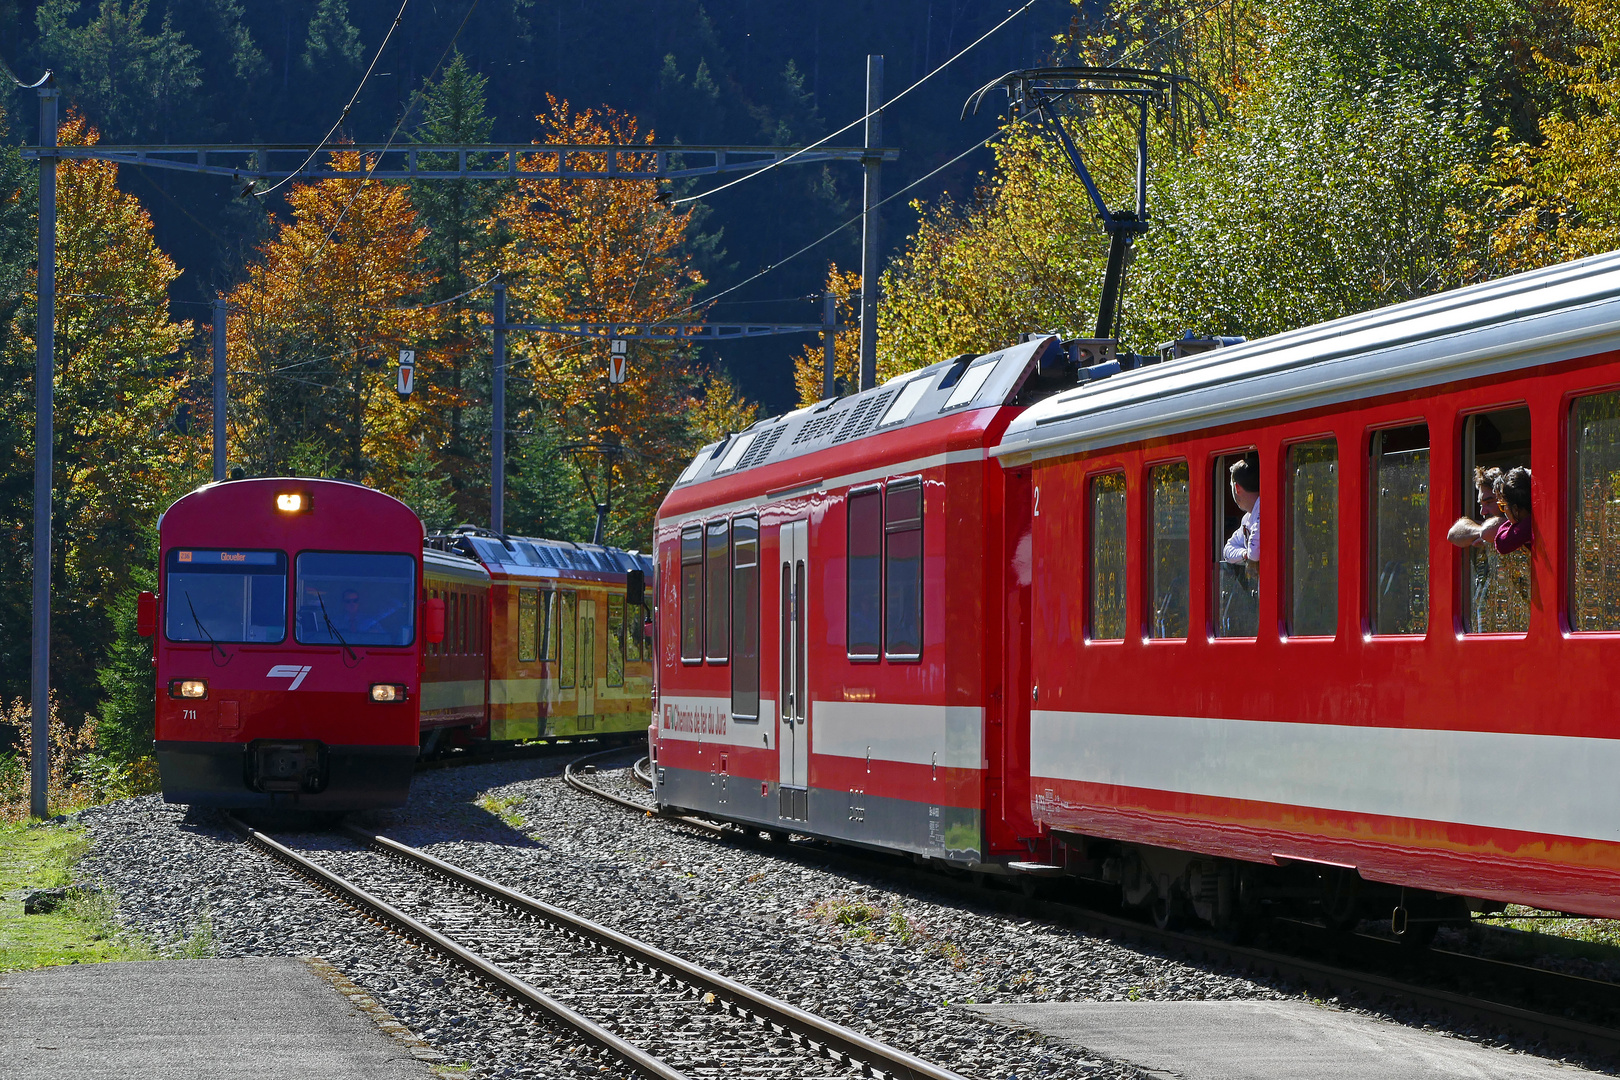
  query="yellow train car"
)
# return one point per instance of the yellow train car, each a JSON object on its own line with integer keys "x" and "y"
{"x": 568, "y": 651}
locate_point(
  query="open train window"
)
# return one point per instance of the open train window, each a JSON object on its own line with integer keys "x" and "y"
{"x": 1313, "y": 538}
{"x": 1171, "y": 534}
{"x": 567, "y": 603}
{"x": 1497, "y": 597}
{"x": 692, "y": 594}
{"x": 745, "y": 615}
{"x": 1399, "y": 530}
{"x": 864, "y": 603}
{"x": 1108, "y": 556}
{"x": 717, "y": 591}
{"x": 1236, "y": 592}
{"x": 903, "y": 570}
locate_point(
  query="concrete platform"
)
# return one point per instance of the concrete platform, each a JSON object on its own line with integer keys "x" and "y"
{"x": 1267, "y": 1040}
{"x": 259, "y": 1018}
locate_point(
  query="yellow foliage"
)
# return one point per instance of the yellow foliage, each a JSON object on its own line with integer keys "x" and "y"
{"x": 314, "y": 332}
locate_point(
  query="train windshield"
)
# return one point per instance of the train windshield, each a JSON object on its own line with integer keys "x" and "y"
{"x": 348, "y": 598}
{"x": 235, "y": 596}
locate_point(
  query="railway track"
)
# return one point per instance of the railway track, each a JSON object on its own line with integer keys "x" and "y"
{"x": 659, "y": 1014}
{"x": 1545, "y": 1006}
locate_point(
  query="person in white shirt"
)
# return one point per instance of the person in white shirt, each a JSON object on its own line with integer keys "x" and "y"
{"x": 1244, "y": 545}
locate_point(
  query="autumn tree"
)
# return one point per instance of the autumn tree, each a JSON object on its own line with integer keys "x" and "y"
{"x": 602, "y": 251}
{"x": 809, "y": 365}
{"x": 315, "y": 330}
{"x": 121, "y": 364}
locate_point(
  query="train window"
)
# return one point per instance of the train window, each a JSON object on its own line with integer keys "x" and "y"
{"x": 1172, "y": 533}
{"x": 1497, "y": 599}
{"x": 528, "y": 627}
{"x": 466, "y": 625}
{"x": 548, "y": 625}
{"x": 1313, "y": 515}
{"x": 226, "y": 595}
{"x": 1236, "y": 592}
{"x": 615, "y": 652}
{"x": 744, "y": 618}
{"x": 717, "y": 591}
{"x": 1108, "y": 556}
{"x": 566, "y": 604}
{"x": 1594, "y": 513}
{"x": 692, "y": 594}
{"x": 351, "y": 598}
{"x": 1400, "y": 530}
{"x": 903, "y": 570}
{"x": 864, "y": 586}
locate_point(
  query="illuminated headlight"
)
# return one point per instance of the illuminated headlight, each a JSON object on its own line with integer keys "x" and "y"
{"x": 387, "y": 691}
{"x": 188, "y": 688}
{"x": 293, "y": 502}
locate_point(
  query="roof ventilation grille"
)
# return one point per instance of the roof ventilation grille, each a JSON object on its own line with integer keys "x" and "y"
{"x": 761, "y": 449}
{"x": 864, "y": 417}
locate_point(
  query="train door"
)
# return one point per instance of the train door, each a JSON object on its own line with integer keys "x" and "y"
{"x": 793, "y": 691}
{"x": 587, "y": 659}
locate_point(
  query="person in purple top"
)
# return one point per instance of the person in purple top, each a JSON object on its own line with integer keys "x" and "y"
{"x": 1513, "y": 493}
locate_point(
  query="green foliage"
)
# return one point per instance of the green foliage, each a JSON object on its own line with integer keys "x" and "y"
{"x": 332, "y": 43}
{"x": 544, "y": 494}
{"x": 424, "y": 488}
{"x": 133, "y": 82}
{"x": 124, "y": 728}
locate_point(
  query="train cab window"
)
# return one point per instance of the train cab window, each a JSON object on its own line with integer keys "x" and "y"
{"x": 692, "y": 594}
{"x": 745, "y": 615}
{"x": 1594, "y": 513}
{"x": 717, "y": 591}
{"x": 1236, "y": 591}
{"x": 615, "y": 650}
{"x": 903, "y": 570}
{"x": 1313, "y": 538}
{"x": 567, "y": 605}
{"x": 864, "y": 584}
{"x": 1497, "y": 597}
{"x": 225, "y": 595}
{"x": 352, "y": 598}
{"x": 1108, "y": 557}
{"x": 1400, "y": 530}
{"x": 528, "y": 628}
{"x": 1167, "y": 484}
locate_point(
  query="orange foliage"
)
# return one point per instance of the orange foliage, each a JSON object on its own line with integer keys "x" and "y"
{"x": 316, "y": 329}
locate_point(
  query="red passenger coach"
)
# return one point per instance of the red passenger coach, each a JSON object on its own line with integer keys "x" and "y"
{"x": 834, "y": 635}
{"x": 288, "y": 648}
{"x": 1017, "y": 616}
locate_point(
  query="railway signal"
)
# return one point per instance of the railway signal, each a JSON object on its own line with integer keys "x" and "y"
{"x": 407, "y": 373}
{"x": 618, "y": 361}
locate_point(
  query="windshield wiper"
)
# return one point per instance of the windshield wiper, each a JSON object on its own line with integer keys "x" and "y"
{"x": 204, "y": 629}
{"x": 332, "y": 626}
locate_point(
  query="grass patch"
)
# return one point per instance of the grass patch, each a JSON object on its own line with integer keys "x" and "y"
{"x": 502, "y": 807}
{"x": 82, "y": 930}
{"x": 1525, "y": 933}
{"x": 866, "y": 921}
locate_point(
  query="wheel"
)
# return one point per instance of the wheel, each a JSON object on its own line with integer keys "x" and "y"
{"x": 1341, "y": 900}
{"x": 1167, "y": 912}
{"x": 776, "y": 836}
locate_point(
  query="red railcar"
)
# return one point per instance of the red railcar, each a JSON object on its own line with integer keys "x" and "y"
{"x": 1367, "y": 712}
{"x": 288, "y": 649}
{"x": 831, "y": 600}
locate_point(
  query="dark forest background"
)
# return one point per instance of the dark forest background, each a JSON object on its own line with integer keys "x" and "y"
{"x": 731, "y": 71}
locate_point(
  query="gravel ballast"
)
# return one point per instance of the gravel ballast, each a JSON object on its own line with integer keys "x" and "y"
{"x": 893, "y": 966}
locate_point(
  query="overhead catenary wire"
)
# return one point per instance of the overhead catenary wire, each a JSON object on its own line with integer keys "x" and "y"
{"x": 840, "y": 228}
{"x": 344, "y": 115}
{"x": 859, "y": 120}
{"x": 403, "y": 116}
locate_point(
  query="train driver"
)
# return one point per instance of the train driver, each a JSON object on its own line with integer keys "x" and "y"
{"x": 1244, "y": 545}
